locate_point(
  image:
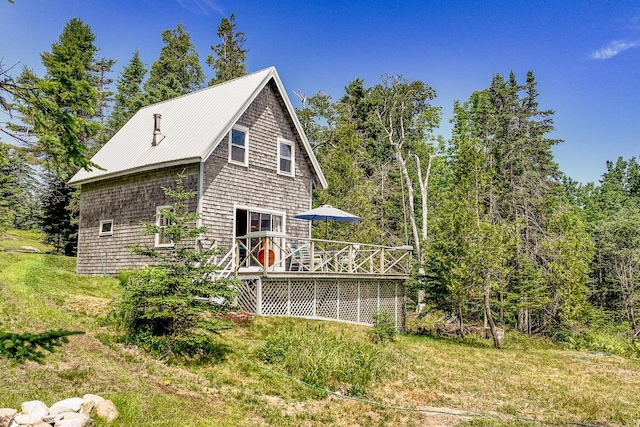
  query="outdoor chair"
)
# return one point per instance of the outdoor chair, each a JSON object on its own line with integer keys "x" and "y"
{"x": 302, "y": 256}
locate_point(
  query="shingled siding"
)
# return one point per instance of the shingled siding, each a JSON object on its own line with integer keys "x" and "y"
{"x": 128, "y": 201}
{"x": 258, "y": 185}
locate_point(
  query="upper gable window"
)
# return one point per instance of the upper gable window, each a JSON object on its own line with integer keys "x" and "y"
{"x": 286, "y": 157}
{"x": 239, "y": 145}
{"x": 162, "y": 221}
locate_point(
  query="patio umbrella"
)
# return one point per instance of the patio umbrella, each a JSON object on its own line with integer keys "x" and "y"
{"x": 327, "y": 213}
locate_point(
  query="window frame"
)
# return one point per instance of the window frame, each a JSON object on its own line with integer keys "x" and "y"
{"x": 292, "y": 159}
{"x": 105, "y": 233}
{"x": 246, "y": 145}
{"x": 158, "y": 243}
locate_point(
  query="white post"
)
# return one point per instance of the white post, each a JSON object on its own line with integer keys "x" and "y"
{"x": 259, "y": 296}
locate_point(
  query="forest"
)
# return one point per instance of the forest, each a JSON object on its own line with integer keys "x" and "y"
{"x": 501, "y": 236}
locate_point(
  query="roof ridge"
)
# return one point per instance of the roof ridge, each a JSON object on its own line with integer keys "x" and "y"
{"x": 208, "y": 87}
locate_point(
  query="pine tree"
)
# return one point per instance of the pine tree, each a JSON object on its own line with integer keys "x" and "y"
{"x": 228, "y": 62}
{"x": 129, "y": 97}
{"x": 177, "y": 71}
{"x": 59, "y": 216}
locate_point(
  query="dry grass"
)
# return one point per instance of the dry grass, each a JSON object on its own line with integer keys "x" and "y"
{"x": 443, "y": 379}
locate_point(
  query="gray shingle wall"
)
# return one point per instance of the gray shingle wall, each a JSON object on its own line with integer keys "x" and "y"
{"x": 259, "y": 185}
{"x": 127, "y": 201}
{"x": 133, "y": 199}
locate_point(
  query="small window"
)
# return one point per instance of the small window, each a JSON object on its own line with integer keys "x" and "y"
{"x": 286, "y": 164}
{"x": 106, "y": 228}
{"x": 162, "y": 221}
{"x": 239, "y": 146}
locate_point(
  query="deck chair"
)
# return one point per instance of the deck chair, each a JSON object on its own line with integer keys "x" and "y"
{"x": 305, "y": 255}
{"x": 343, "y": 261}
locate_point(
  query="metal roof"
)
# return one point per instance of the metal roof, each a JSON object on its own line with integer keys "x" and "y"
{"x": 192, "y": 125}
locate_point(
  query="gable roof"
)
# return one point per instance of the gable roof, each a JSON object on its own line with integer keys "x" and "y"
{"x": 193, "y": 125}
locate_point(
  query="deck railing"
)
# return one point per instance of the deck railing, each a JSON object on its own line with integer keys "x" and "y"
{"x": 271, "y": 253}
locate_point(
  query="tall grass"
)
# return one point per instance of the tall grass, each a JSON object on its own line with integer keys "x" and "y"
{"x": 324, "y": 359}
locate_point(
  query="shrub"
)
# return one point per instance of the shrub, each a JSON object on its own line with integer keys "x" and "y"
{"x": 28, "y": 346}
{"x": 384, "y": 328}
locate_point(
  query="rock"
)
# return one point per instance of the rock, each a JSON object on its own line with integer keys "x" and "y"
{"x": 73, "y": 403}
{"x": 55, "y": 410}
{"x": 41, "y": 424}
{"x": 87, "y": 406}
{"x": 92, "y": 397}
{"x": 74, "y": 423}
{"x": 35, "y": 408}
{"x": 107, "y": 410}
{"x": 26, "y": 419}
{"x": 6, "y": 415}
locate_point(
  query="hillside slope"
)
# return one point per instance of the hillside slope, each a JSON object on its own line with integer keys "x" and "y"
{"x": 435, "y": 381}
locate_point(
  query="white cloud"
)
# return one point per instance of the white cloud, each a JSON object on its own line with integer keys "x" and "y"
{"x": 614, "y": 48}
{"x": 201, "y": 7}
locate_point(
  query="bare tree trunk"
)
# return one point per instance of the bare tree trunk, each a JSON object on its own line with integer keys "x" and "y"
{"x": 461, "y": 322}
{"x": 487, "y": 309}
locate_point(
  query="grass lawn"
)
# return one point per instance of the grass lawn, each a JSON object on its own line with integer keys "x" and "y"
{"x": 436, "y": 381}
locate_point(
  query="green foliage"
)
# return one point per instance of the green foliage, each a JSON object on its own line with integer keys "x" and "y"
{"x": 158, "y": 308}
{"x": 228, "y": 62}
{"x": 177, "y": 70}
{"x": 59, "y": 220}
{"x": 325, "y": 359}
{"x": 384, "y": 328}
{"x": 29, "y": 346}
{"x": 129, "y": 97}
{"x": 18, "y": 189}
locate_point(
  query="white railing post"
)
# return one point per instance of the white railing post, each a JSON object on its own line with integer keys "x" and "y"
{"x": 259, "y": 296}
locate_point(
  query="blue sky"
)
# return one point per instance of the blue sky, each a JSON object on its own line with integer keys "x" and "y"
{"x": 585, "y": 54}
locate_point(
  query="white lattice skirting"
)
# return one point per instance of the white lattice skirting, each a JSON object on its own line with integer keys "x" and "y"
{"x": 344, "y": 300}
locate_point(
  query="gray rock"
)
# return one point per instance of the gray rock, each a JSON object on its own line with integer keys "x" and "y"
{"x": 93, "y": 398}
{"x": 107, "y": 410}
{"x": 6, "y": 415}
{"x": 36, "y": 408}
{"x": 73, "y": 403}
{"x": 55, "y": 410}
{"x": 87, "y": 406}
{"x": 30, "y": 249}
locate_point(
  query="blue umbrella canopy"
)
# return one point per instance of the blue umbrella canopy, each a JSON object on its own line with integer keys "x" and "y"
{"x": 327, "y": 213}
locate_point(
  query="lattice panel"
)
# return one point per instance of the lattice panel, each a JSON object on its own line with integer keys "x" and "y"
{"x": 388, "y": 297}
{"x": 247, "y": 295}
{"x": 302, "y": 298}
{"x": 327, "y": 294}
{"x": 368, "y": 300}
{"x": 348, "y": 301}
{"x": 274, "y": 297}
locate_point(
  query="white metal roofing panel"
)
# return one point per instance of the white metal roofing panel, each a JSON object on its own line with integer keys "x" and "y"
{"x": 192, "y": 126}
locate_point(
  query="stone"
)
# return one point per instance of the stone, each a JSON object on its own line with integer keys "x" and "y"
{"x": 107, "y": 410}
{"x": 92, "y": 397}
{"x": 30, "y": 249}
{"x": 36, "y": 408}
{"x": 6, "y": 415}
{"x": 55, "y": 410}
{"x": 26, "y": 419}
{"x": 41, "y": 424}
{"x": 72, "y": 403}
{"x": 75, "y": 422}
{"x": 87, "y": 406}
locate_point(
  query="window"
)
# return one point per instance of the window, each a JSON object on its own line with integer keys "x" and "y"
{"x": 162, "y": 221}
{"x": 239, "y": 145}
{"x": 286, "y": 164}
{"x": 106, "y": 228}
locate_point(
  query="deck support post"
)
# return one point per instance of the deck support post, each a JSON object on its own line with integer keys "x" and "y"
{"x": 259, "y": 296}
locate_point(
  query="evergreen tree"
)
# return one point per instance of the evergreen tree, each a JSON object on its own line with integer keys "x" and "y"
{"x": 19, "y": 205}
{"x": 59, "y": 215}
{"x": 228, "y": 62}
{"x": 57, "y": 111}
{"x": 177, "y": 71}
{"x": 129, "y": 97}
{"x": 102, "y": 83}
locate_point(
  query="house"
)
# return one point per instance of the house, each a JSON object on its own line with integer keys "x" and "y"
{"x": 244, "y": 153}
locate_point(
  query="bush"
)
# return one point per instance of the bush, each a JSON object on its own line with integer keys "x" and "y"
{"x": 384, "y": 328}
{"x": 325, "y": 359}
{"x": 28, "y": 346}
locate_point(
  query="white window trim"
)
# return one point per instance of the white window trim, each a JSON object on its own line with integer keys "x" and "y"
{"x": 293, "y": 158}
{"x": 105, "y": 233}
{"x": 157, "y": 235}
{"x": 246, "y": 145}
